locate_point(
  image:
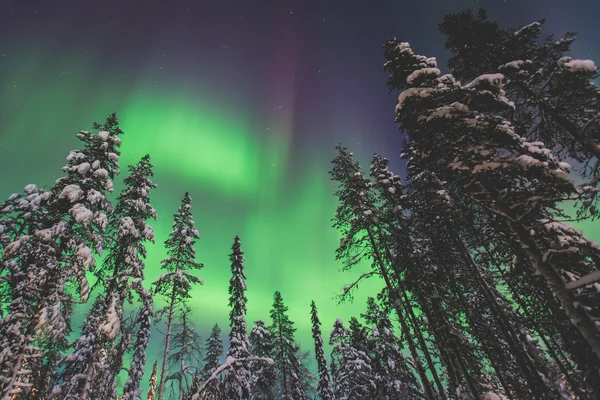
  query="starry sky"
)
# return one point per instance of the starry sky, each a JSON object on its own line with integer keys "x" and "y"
{"x": 239, "y": 102}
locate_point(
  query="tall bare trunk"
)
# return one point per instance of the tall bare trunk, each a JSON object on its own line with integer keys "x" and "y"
{"x": 163, "y": 370}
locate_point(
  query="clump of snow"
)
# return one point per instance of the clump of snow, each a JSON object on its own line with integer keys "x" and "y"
{"x": 565, "y": 166}
{"x": 83, "y": 168}
{"x": 527, "y": 162}
{"x": 570, "y": 65}
{"x": 103, "y": 135}
{"x": 446, "y": 111}
{"x": 101, "y": 173}
{"x": 44, "y": 234}
{"x": 416, "y": 92}
{"x": 81, "y": 214}
{"x": 71, "y": 193}
{"x": 113, "y": 324}
{"x": 431, "y": 72}
{"x": 447, "y": 81}
{"x": 31, "y": 188}
{"x": 486, "y": 79}
{"x": 101, "y": 220}
{"x": 94, "y": 196}
{"x": 506, "y": 128}
{"x": 513, "y": 65}
{"x": 127, "y": 228}
{"x": 86, "y": 255}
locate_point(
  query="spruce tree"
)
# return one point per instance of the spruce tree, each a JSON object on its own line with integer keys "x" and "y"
{"x": 557, "y": 101}
{"x": 53, "y": 259}
{"x": 127, "y": 229}
{"x": 352, "y": 371}
{"x": 395, "y": 380}
{"x": 516, "y": 182}
{"x": 237, "y": 377}
{"x": 186, "y": 353}
{"x": 324, "y": 387}
{"x": 285, "y": 351}
{"x": 176, "y": 283}
{"x": 214, "y": 351}
{"x": 263, "y": 373}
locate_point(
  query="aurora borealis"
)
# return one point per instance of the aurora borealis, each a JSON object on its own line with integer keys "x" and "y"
{"x": 239, "y": 102}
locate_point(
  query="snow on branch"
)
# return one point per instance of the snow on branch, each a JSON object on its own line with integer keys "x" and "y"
{"x": 588, "y": 279}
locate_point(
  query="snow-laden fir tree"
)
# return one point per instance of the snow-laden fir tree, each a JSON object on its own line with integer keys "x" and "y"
{"x": 395, "y": 379}
{"x": 176, "y": 283}
{"x": 458, "y": 132}
{"x": 48, "y": 265}
{"x": 97, "y": 357}
{"x": 324, "y": 386}
{"x": 555, "y": 97}
{"x": 284, "y": 351}
{"x": 186, "y": 354}
{"x": 237, "y": 377}
{"x": 352, "y": 371}
{"x": 152, "y": 385}
{"x": 21, "y": 215}
{"x": 214, "y": 351}
{"x": 263, "y": 373}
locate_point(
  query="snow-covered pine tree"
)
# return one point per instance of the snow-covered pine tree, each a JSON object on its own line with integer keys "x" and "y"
{"x": 21, "y": 215}
{"x": 500, "y": 173}
{"x": 284, "y": 351}
{"x": 395, "y": 379}
{"x": 263, "y": 373}
{"x": 352, "y": 372}
{"x": 186, "y": 354}
{"x": 324, "y": 387}
{"x": 363, "y": 240}
{"x": 176, "y": 283}
{"x": 152, "y": 385}
{"x": 98, "y": 353}
{"x": 555, "y": 97}
{"x": 237, "y": 377}
{"x": 52, "y": 261}
{"x": 132, "y": 389}
{"x": 214, "y": 351}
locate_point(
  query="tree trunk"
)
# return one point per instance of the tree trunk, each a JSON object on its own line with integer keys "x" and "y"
{"x": 429, "y": 393}
{"x": 163, "y": 370}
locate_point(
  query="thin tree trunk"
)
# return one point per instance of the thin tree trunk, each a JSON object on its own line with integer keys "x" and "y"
{"x": 163, "y": 370}
{"x": 520, "y": 354}
{"x": 429, "y": 393}
{"x": 411, "y": 316}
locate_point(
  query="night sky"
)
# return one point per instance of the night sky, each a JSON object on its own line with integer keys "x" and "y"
{"x": 239, "y": 102}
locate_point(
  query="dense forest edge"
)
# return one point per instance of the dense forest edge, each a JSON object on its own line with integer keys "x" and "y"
{"x": 488, "y": 290}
